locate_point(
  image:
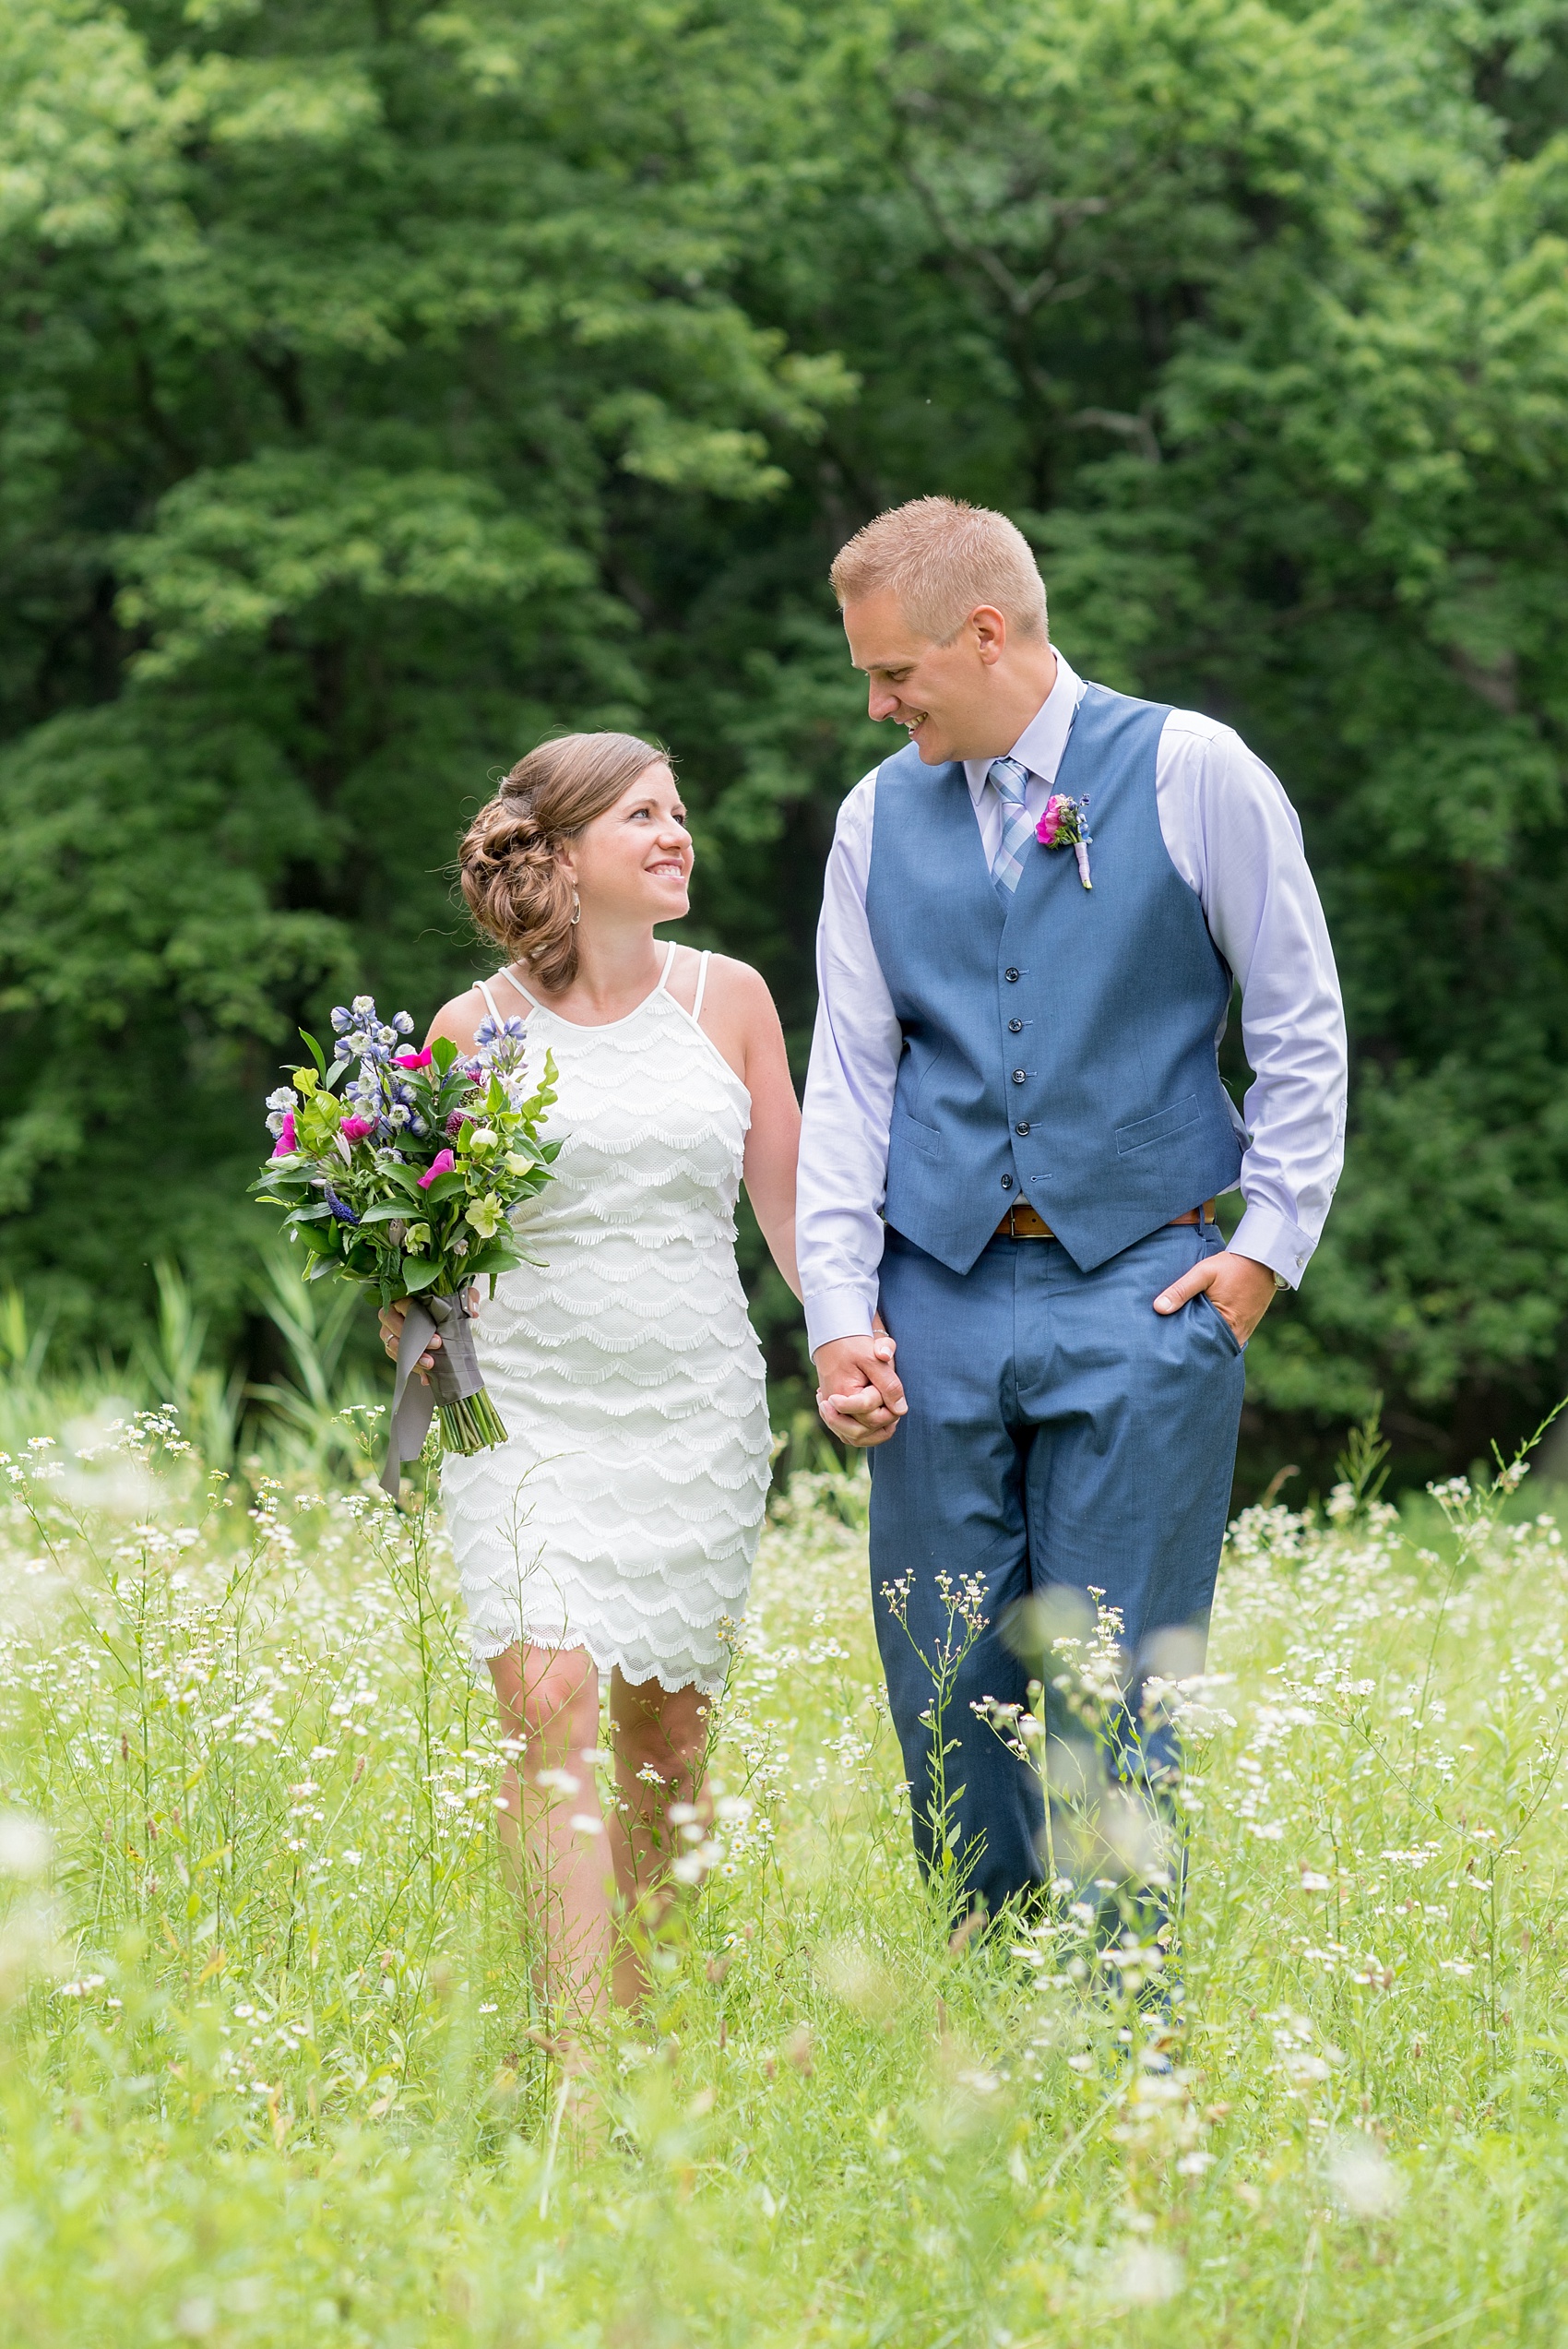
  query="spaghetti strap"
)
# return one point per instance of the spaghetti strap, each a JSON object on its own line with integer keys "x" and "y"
{"x": 519, "y": 987}
{"x": 490, "y": 999}
{"x": 702, "y": 981}
{"x": 663, "y": 985}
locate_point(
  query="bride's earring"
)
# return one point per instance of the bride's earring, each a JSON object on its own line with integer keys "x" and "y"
{"x": 576, "y": 909}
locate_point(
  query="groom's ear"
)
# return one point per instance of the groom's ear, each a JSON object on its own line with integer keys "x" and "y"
{"x": 989, "y": 628}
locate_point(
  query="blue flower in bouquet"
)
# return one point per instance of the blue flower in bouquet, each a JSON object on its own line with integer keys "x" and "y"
{"x": 501, "y": 1050}
{"x": 494, "y": 1039}
{"x": 361, "y": 1033}
{"x": 365, "y": 1094}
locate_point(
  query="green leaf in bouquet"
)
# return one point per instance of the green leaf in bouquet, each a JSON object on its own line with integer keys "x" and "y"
{"x": 279, "y": 1190}
{"x": 316, "y": 1121}
{"x": 444, "y": 1051}
{"x": 500, "y": 1255}
{"x": 452, "y": 1185}
{"x": 406, "y": 1180}
{"x": 420, "y": 1273}
{"x": 315, "y": 1050}
{"x": 385, "y": 1211}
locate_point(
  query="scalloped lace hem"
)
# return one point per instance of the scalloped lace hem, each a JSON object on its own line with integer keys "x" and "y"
{"x": 605, "y": 1657}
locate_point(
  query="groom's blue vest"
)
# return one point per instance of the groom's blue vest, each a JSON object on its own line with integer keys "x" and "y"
{"x": 1059, "y": 1047}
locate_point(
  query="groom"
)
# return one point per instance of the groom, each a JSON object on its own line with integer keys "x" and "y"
{"x": 1015, "y": 1131}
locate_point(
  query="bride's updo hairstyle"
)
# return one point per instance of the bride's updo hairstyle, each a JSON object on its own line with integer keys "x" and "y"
{"x": 510, "y": 864}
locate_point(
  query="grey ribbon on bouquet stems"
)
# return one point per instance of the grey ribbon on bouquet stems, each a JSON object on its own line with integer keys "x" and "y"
{"x": 455, "y": 1376}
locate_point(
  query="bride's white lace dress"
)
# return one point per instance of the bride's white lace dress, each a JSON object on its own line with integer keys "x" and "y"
{"x": 623, "y": 1512}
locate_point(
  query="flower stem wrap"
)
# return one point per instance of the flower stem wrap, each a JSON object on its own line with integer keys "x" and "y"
{"x": 469, "y": 1419}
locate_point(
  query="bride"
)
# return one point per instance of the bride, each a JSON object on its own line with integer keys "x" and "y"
{"x": 614, "y": 1533}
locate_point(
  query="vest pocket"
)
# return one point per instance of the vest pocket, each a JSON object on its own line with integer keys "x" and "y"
{"x": 909, "y": 1131}
{"x": 1160, "y": 1127}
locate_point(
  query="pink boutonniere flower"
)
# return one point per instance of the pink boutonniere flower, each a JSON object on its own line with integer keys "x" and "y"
{"x": 287, "y": 1142}
{"x": 354, "y": 1129}
{"x": 1064, "y": 824}
{"x": 412, "y": 1059}
{"x": 442, "y": 1163}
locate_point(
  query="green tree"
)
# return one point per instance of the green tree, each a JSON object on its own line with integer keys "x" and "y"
{"x": 383, "y": 385}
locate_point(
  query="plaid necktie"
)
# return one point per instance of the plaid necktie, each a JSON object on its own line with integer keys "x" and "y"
{"x": 1010, "y": 781}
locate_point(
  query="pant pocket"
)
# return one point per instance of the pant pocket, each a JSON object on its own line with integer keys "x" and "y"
{"x": 1220, "y": 1323}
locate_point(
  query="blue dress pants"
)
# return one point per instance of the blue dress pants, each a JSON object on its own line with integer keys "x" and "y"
{"x": 1062, "y": 1437}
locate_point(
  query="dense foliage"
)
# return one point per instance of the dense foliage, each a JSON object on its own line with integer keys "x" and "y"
{"x": 384, "y": 384}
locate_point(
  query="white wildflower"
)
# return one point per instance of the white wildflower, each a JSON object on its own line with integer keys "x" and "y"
{"x": 1363, "y": 2181}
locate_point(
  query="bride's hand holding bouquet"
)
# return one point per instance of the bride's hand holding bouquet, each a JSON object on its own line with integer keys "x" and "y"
{"x": 400, "y": 1170}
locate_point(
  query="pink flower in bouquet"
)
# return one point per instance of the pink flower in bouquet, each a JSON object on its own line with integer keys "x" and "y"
{"x": 412, "y": 1059}
{"x": 442, "y": 1163}
{"x": 286, "y": 1144}
{"x": 1055, "y": 811}
{"x": 354, "y": 1129}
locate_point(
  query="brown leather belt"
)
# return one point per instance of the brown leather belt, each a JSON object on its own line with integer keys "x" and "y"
{"x": 1022, "y": 1223}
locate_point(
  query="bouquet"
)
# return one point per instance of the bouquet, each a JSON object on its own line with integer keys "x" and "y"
{"x": 399, "y": 1170}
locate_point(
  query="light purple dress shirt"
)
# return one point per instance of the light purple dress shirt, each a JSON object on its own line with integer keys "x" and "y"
{"x": 1233, "y": 837}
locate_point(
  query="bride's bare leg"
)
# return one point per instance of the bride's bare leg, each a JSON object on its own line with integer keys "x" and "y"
{"x": 661, "y": 1743}
{"x": 552, "y": 1828}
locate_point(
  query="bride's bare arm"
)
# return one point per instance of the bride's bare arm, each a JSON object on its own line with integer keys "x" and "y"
{"x": 739, "y": 1014}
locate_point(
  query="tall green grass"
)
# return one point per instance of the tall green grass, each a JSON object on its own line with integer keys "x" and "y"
{"x": 267, "y": 2072}
{"x": 300, "y": 1422}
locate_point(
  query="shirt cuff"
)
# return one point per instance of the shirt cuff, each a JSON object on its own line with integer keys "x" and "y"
{"x": 1271, "y": 1238}
{"x": 838, "y": 1313}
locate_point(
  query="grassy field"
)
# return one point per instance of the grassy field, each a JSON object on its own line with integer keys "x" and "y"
{"x": 266, "y": 2070}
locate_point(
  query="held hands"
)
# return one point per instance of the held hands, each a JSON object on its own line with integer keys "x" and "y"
{"x": 859, "y": 1396}
{"x": 1240, "y": 1291}
{"x": 392, "y": 1317}
{"x": 861, "y": 1399}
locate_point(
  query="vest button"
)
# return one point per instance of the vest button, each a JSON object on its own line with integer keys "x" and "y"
{"x": 1015, "y": 1027}
{"x": 1006, "y": 1182}
{"x": 1011, "y": 976}
{"x": 1019, "y": 1075}
{"x": 1021, "y": 1129}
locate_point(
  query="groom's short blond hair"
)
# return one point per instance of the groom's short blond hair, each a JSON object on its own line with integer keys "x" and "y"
{"x": 942, "y": 558}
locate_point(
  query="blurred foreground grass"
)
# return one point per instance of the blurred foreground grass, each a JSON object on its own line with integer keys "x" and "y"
{"x": 265, "y": 2071}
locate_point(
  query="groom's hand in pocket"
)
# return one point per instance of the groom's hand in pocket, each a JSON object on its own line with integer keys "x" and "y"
{"x": 1240, "y": 1290}
{"x": 858, "y": 1395}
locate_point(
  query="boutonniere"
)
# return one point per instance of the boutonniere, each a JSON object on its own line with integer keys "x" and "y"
{"x": 1066, "y": 824}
